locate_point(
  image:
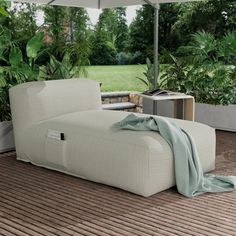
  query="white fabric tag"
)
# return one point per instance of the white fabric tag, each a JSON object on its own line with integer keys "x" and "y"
{"x": 53, "y": 134}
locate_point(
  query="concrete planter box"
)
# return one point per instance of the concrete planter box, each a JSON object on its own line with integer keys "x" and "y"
{"x": 219, "y": 117}
{"x": 6, "y": 136}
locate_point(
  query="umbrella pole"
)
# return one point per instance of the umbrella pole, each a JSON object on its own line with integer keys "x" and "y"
{"x": 156, "y": 37}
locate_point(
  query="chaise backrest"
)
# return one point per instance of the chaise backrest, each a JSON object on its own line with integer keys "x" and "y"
{"x": 37, "y": 101}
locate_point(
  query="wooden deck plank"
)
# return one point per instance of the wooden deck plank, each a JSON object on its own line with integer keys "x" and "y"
{"x": 36, "y": 201}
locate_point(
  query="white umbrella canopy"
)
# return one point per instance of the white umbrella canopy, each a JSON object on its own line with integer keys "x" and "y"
{"x": 101, "y": 3}
{"x": 117, "y": 3}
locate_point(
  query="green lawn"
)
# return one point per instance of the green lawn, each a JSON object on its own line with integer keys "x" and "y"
{"x": 118, "y": 78}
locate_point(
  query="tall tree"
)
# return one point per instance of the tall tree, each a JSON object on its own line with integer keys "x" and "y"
{"x": 142, "y": 30}
{"x": 122, "y": 29}
{"x": 107, "y": 24}
{"x": 56, "y": 20}
{"x": 68, "y": 29}
{"x": 104, "y": 39}
{"x": 79, "y": 47}
{"x": 23, "y": 21}
{"x": 213, "y": 16}
{"x": 168, "y": 17}
{"x": 78, "y": 22}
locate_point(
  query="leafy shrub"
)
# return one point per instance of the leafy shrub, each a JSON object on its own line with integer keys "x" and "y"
{"x": 103, "y": 54}
{"x": 213, "y": 86}
{"x": 176, "y": 76}
{"x": 216, "y": 89}
{"x": 137, "y": 58}
{"x": 16, "y": 68}
{"x": 123, "y": 58}
{"x": 227, "y": 49}
{"x": 207, "y": 70}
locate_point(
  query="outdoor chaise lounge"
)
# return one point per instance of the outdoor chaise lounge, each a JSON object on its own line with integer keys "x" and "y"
{"x": 60, "y": 125}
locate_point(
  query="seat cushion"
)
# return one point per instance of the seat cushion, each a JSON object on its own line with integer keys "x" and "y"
{"x": 140, "y": 162}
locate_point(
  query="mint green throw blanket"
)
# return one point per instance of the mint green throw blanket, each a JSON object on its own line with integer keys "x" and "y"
{"x": 189, "y": 176}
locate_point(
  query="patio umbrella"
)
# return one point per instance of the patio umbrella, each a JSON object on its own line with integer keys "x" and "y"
{"x": 117, "y": 3}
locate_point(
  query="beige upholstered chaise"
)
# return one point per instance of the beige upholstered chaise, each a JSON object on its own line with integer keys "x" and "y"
{"x": 139, "y": 162}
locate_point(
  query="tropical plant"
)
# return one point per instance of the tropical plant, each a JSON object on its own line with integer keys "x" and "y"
{"x": 16, "y": 65}
{"x": 19, "y": 66}
{"x": 148, "y": 74}
{"x": 216, "y": 88}
{"x": 55, "y": 69}
{"x": 227, "y": 52}
{"x": 211, "y": 87}
{"x": 73, "y": 62}
{"x": 206, "y": 70}
{"x": 3, "y": 10}
{"x": 203, "y": 48}
{"x": 176, "y": 76}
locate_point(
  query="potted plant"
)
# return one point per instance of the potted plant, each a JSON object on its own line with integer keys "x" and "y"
{"x": 206, "y": 70}
{"x": 216, "y": 101}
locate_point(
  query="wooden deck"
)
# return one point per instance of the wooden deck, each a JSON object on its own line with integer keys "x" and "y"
{"x": 36, "y": 201}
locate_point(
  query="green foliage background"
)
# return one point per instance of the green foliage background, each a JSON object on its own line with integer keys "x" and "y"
{"x": 111, "y": 40}
{"x": 197, "y": 41}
